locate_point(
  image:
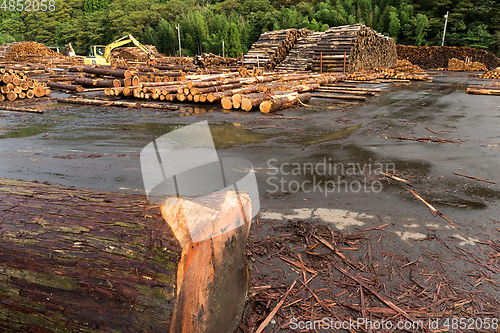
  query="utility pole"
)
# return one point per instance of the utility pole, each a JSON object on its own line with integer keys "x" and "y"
{"x": 445, "y": 22}
{"x": 179, "y": 34}
{"x": 223, "y": 48}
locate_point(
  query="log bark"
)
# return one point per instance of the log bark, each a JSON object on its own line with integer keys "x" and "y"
{"x": 97, "y": 83}
{"x": 283, "y": 102}
{"x": 85, "y": 101}
{"x": 251, "y": 101}
{"x": 63, "y": 86}
{"x": 119, "y": 73}
{"x": 83, "y": 261}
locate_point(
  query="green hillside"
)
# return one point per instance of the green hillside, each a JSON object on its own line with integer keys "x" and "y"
{"x": 204, "y": 24}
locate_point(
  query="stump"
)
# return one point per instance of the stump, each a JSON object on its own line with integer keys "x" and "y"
{"x": 213, "y": 275}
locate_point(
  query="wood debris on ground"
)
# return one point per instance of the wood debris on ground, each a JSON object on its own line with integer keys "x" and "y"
{"x": 383, "y": 284}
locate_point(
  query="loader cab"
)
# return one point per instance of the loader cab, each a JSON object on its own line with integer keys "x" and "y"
{"x": 96, "y": 51}
{"x": 96, "y": 56}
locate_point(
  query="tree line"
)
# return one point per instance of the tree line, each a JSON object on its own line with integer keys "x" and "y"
{"x": 205, "y": 24}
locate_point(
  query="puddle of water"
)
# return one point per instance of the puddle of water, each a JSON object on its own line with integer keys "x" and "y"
{"x": 230, "y": 135}
{"x": 25, "y": 131}
{"x": 330, "y": 136}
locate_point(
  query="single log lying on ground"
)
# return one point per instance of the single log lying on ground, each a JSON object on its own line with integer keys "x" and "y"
{"x": 283, "y": 102}
{"x": 97, "y": 83}
{"x": 83, "y": 261}
{"x": 120, "y": 73}
{"x": 64, "y": 86}
{"x": 86, "y": 101}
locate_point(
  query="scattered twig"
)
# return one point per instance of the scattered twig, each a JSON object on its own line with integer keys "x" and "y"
{"x": 472, "y": 177}
{"x": 337, "y": 252}
{"x": 424, "y": 139}
{"x": 433, "y": 210}
{"x": 427, "y": 128}
{"x": 276, "y": 308}
{"x": 395, "y": 178}
{"x": 374, "y": 292}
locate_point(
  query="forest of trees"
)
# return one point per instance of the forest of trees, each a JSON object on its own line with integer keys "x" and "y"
{"x": 204, "y": 24}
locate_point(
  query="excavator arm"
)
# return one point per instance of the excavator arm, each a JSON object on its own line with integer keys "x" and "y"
{"x": 122, "y": 41}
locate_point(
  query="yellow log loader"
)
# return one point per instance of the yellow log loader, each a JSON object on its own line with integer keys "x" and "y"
{"x": 101, "y": 55}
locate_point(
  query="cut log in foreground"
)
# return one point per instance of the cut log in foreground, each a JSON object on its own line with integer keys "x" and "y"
{"x": 213, "y": 274}
{"x": 283, "y": 102}
{"x": 82, "y": 261}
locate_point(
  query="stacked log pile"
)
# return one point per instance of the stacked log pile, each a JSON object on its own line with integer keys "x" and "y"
{"x": 492, "y": 89}
{"x": 33, "y": 52}
{"x": 124, "y": 56}
{"x": 232, "y": 91}
{"x": 493, "y": 74}
{"x": 432, "y": 57}
{"x": 300, "y": 57}
{"x": 273, "y": 47}
{"x": 210, "y": 59}
{"x": 353, "y": 48}
{"x": 15, "y": 84}
{"x": 386, "y": 74}
{"x": 79, "y": 77}
{"x": 407, "y": 67}
{"x": 455, "y": 64}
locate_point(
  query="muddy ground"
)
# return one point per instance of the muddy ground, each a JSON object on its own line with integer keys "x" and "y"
{"x": 317, "y": 167}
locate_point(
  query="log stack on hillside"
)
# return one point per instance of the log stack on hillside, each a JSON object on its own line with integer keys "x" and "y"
{"x": 300, "y": 57}
{"x": 353, "y": 48}
{"x": 273, "y": 47}
{"x": 432, "y": 57}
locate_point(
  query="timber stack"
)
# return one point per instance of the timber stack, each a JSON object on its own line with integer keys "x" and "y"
{"x": 432, "y": 57}
{"x": 407, "y": 67}
{"x": 272, "y": 47}
{"x": 213, "y": 60}
{"x": 15, "y": 84}
{"x": 300, "y": 57}
{"x": 35, "y": 53}
{"x": 353, "y": 48}
{"x": 493, "y": 74}
{"x": 227, "y": 89}
{"x": 455, "y": 64}
{"x": 386, "y": 74}
{"x": 78, "y": 77}
{"x": 492, "y": 89}
{"x": 123, "y": 56}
